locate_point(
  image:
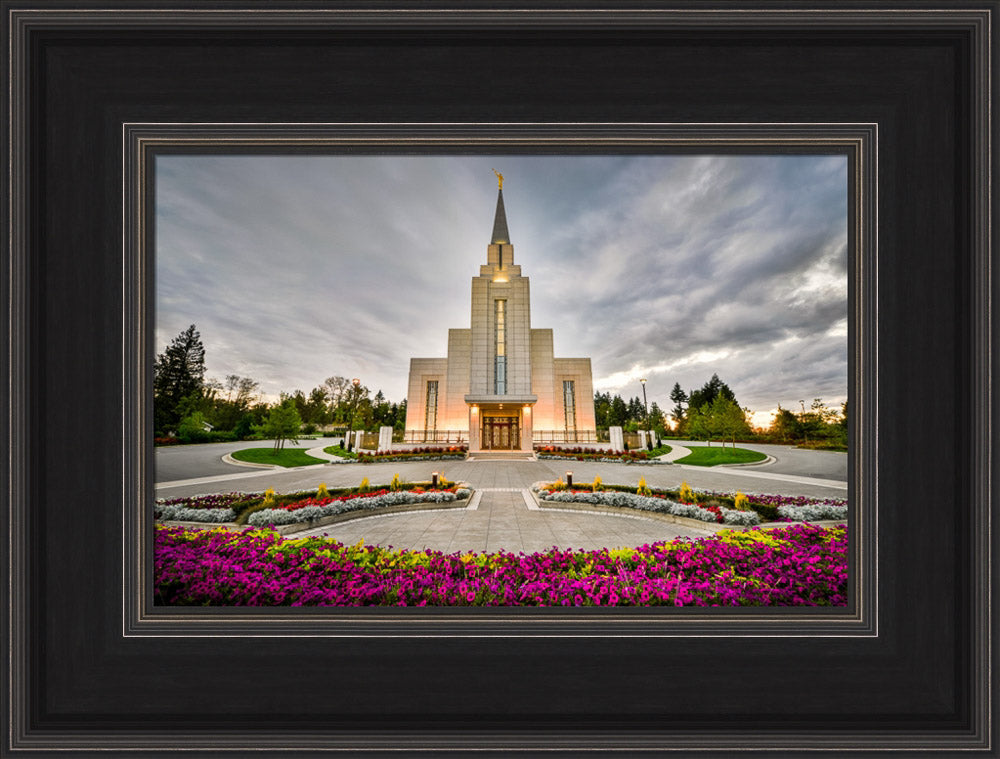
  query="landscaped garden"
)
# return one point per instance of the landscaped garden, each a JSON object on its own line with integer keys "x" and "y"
{"x": 579, "y": 453}
{"x": 797, "y": 565}
{"x": 704, "y": 455}
{"x": 270, "y": 508}
{"x": 425, "y": 453}
{"x": 719, "y": 508}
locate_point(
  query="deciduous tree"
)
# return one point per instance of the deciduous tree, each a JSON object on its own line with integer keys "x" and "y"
{"x": 282, "y": 423}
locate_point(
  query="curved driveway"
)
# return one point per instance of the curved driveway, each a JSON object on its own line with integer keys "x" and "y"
{"x": 182, "y": 462}
{"x": 802, "y": 462}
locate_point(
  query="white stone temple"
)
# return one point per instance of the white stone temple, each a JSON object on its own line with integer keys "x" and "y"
{"x": 501, "y": 387}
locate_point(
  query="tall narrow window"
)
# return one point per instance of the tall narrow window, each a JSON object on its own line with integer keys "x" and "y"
{"x": 431, "y": 407}
{"x": 500, "y": 333}
{"x": 569, "y": 405}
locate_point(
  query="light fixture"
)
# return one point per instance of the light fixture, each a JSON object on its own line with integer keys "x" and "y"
{"x": 569, "y": 479}
{"x": 434, "y": 480}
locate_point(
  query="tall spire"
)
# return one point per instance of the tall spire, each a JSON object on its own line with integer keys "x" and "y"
{"x": 500, "y": 233}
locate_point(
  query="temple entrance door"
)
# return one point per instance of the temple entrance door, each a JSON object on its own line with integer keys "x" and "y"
{"x": 501, "y": 433}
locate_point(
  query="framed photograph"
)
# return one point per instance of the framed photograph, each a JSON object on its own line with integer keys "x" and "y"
{"x": 132, "y": 131}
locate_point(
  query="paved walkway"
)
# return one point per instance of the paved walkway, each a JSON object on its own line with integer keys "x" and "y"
{"x": 502, "y": 519}
{"x": 499, "y": 516}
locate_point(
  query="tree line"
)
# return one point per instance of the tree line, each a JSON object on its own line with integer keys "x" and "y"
{"x": 712, "y": 412}
{"x": 193, "y": 408}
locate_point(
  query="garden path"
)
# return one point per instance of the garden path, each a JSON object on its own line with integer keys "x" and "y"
{"x": 503, "y": 517}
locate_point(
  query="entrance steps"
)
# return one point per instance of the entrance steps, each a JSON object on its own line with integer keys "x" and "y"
{"x": 501, "y": 456}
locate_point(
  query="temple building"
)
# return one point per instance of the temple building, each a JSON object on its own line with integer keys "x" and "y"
{"x": 501, "y": 387}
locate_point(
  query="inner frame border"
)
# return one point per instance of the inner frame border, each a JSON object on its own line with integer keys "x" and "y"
{"x": 143, "y": 141}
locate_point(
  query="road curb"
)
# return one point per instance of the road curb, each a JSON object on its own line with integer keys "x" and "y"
{"x": 228, "y": 459}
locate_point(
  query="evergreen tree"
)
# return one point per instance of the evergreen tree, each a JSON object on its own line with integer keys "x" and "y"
{"x": 178, "y": 373}
{"x": 400, "y": 423}
{"x": 709, "y": 391}
{"x": 636, "y": 411}
{"x": 602, "y": 407}
{"x": 618, "y": 413}
{"x": 679, "y": 397}
{"x": 656, "y": 419}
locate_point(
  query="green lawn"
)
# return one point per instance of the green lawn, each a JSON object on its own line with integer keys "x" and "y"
{"x": 711, "y": 456}
{"x": 284, "y": 457}
{"x": 336, "y": 450}
{"x": 660, "y": 450}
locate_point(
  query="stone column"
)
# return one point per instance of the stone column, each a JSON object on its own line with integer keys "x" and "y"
{"x": 642, "y": 440}
{"x": 617, "y": 439}
{"x": 527, "y": 429}
{"x": 358, "y": 436}
{"x": 385, "y": 438}
{"x": 474, "y": 425}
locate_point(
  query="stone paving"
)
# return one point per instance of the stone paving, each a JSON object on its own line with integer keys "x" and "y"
{"x": 503, "y": 521}
{"x": 500, "y": 517}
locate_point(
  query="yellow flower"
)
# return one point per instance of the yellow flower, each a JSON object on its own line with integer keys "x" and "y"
{"x": 686, "y": 494}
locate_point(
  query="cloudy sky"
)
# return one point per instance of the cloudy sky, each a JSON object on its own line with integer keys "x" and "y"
{"x": 297, "y": 268}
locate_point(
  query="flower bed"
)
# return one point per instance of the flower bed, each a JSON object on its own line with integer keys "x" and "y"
{"x": 800, "y": 565}
{"x": 812, "y": 512}
{"x": 215, "y": 507}
{"x": 654, "y": 503}
{"x": 415, "y": 454}
{"x": 766, "y": 506}
{"x": 244, "y": 507}
{"x": 587, "y": 454}
{"x": 315, "y": 508}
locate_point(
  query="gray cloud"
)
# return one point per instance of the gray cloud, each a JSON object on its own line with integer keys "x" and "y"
{"x": 296, "y": 268}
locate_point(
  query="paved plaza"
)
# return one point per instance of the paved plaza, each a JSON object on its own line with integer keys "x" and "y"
{"x": 500, "y": 519}
{"x": 501, "y": 515}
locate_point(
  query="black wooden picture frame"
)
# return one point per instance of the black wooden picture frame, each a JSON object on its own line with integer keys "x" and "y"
{"x": 90, "y": 668}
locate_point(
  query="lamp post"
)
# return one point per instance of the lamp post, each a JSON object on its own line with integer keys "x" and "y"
{"x": 354, "y": 408}
{"x": 649, "y": 442}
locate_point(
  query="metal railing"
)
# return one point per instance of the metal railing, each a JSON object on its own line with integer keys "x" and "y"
{"x": 563, "y": 436}
{"x": 436, "y": 436}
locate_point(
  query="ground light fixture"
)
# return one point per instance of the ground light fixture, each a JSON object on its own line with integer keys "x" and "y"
{"x": 569, "y": 479}
{"x": 434, "y": 479}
